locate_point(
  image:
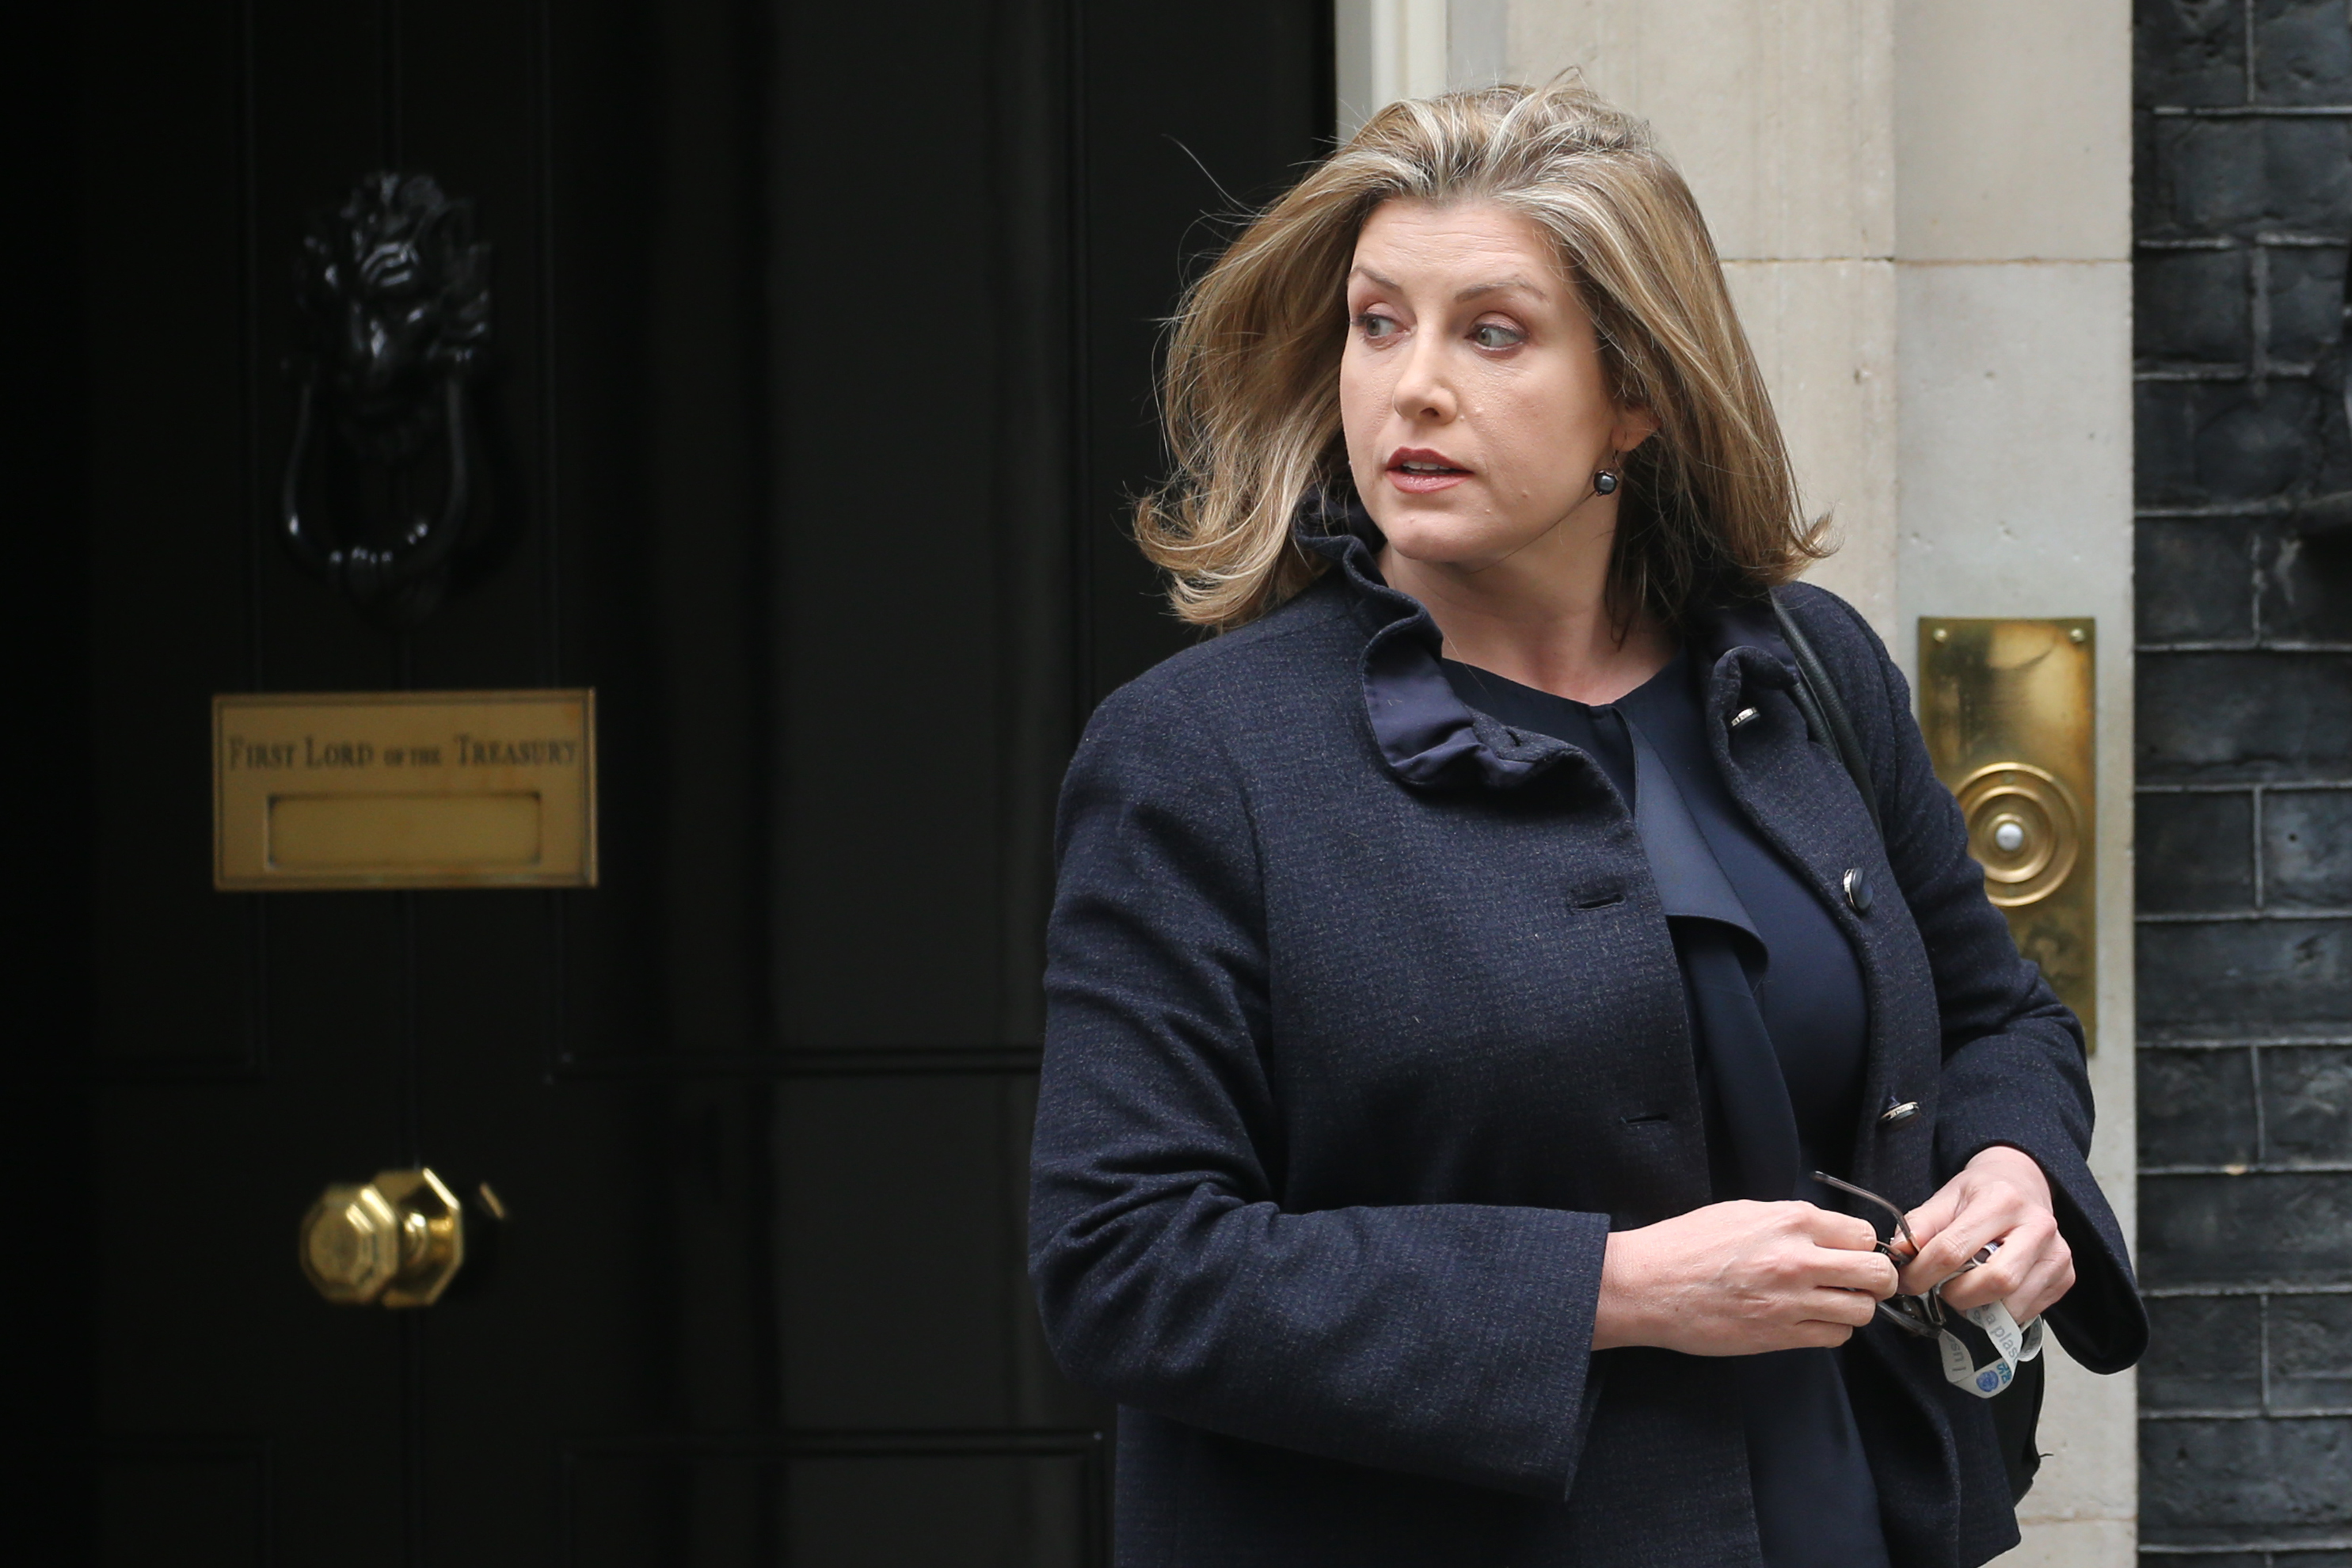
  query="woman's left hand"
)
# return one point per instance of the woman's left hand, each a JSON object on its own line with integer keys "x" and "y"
{"x": 2001, "y": 1196}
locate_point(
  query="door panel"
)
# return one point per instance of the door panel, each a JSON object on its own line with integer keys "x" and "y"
{"x": 821, "y": 370}
{"x": 725, "y": 1509}
{"x": 185, "y": 1502}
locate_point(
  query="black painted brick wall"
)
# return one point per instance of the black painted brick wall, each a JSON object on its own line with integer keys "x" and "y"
{"x": 2243, "y": 202}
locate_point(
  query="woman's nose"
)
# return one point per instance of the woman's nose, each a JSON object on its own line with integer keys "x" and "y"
{"x": 1422, "y": 392}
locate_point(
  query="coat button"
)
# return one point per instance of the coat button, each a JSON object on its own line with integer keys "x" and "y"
{"x": 1897, "y": 1115}
{"x": 1858, "y": 894}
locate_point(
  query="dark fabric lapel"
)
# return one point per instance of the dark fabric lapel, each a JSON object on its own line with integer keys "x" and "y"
{"x": 1756, "y": 1155}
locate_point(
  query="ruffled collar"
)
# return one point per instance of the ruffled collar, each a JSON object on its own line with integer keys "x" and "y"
{"x": 1429, "y": 737}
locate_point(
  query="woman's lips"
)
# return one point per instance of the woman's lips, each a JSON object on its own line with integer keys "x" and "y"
{"x": 1418, "y": 472}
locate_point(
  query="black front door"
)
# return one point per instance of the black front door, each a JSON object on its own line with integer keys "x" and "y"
{"x": 818, "y": 367}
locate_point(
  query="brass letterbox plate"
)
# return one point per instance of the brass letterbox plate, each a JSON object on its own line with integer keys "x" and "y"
{"x": 2008, "y": 708}
{"x": 404, "y": 789}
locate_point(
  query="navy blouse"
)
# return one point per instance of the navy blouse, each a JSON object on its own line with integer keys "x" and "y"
{"x": 1746, "y": 925}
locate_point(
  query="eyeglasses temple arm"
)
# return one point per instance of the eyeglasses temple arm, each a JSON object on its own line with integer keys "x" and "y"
{"x": 1868, "y": 1196}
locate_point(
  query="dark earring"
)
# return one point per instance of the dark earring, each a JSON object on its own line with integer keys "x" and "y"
{"x": 1604, "y": 483}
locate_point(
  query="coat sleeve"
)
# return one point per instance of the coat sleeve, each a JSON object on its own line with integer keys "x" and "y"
{"x": 1447, "y": 1340}
{"x": 2014, "y": 1069}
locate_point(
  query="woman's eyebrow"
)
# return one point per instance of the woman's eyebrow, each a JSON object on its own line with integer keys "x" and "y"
{"x": 1498, "y": 286}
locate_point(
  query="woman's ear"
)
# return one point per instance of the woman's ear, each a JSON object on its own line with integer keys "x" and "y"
{"x": 1634, "y": 426}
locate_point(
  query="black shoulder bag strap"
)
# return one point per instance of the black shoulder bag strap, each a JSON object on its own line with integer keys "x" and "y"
{"x": 2017, "y": 1409}
{"x": 1824, "y": 710}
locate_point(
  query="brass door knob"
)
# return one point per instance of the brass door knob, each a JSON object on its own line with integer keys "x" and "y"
{"x": 396, "y": 1241}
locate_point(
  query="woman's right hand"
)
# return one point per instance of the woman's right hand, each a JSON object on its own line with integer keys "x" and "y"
{"x": 1740, "y": 1279}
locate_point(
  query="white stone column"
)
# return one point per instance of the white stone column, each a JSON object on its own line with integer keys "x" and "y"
{"x": 1391, "y": 49}
{"x": 1926, "y": 228}
{"x": 2013, "y": 306}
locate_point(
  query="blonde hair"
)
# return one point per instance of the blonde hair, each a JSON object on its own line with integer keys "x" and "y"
{"x": 1250, "y": 393}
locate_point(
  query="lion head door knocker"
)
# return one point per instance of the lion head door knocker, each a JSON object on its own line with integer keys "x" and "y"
{"x": 395, "y": 300}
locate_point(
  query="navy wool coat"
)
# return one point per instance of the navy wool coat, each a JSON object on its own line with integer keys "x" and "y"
{"x": 1365, "y": 1028}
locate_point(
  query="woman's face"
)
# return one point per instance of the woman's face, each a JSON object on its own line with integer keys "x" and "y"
{"x": 1471, "y": 389}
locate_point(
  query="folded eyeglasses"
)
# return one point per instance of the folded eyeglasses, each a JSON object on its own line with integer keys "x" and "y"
{"x": 1982, "y": 1347}
{"x": 1923, "y": 1314}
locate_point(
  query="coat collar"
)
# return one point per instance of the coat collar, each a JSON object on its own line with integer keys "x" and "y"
{"x": 1429, "y": 737}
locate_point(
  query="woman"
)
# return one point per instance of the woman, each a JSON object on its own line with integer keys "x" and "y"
{"x": 1461, "y": 964}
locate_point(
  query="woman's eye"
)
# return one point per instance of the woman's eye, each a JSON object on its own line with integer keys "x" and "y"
{"x": 1495, "y": 335}
{"x": 1376, "y": 327}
